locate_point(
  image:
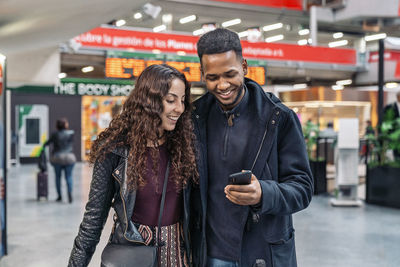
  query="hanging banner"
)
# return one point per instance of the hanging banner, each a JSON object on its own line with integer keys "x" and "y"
{"x": 389, "y": 55}
{"x": 136, "y": 41}
{"x": 3, "y": 237}
{"x": 289, "y": 4}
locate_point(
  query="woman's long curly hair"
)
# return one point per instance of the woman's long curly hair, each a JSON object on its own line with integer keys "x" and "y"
{"x": 138, "y": 125}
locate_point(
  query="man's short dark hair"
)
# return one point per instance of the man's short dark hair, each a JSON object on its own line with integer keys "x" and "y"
{"x": 219, "y": 41}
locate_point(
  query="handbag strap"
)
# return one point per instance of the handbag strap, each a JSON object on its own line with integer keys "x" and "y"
{"x": 162, "y": 205}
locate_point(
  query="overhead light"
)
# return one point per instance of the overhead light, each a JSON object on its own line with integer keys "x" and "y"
{"x": 231, "y": 23}
{"x": 160, "y": 28}
{"x": 62, "y": 75}
{"x": 328, "y": 105}
{"x": 2, "y": 57}
{"x": 295, "y": 110}
{"x": 187, "y": 19}
{"x": 302, "y": 42}
{"x": 309, "y": 40}
{"x": 87, "y": 69}
{"x": 337, "y": 87}
{"x": 272, "y": 27}
{"x": 375, "y": 37}
{"x": 120, "y": 22}
{"x": 137, "y": 15}
{"x": 198, "y": 32}
{"x": 304, "y": 32}
{"x": 181, "y": 53}
{"x": 166, "y": 18}
{"x": 311, "y": 105}
{"x": 300, "y": 86}
{"x": 274, "y": 38}
{"x": 197, "y": 90}
{"x": 338, "y": 35}
{"x": 243, "y": 34}
{"x": 344, "y": 82}
{"x": 338, "y": 43}
{"x": 391, "y": 85}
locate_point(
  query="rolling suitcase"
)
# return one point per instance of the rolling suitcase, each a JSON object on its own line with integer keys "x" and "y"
{"x": 42, "y": 187}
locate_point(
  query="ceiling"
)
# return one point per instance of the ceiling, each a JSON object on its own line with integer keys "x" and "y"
{"x": 30, "y": 25}
{"x": 27, "y": 25}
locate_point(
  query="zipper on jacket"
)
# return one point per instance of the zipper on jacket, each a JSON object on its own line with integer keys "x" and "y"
{"x": 230, "y": 118}
{"x": 126, "y": 219}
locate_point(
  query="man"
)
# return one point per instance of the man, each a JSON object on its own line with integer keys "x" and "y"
{"x": 240, "y": 127}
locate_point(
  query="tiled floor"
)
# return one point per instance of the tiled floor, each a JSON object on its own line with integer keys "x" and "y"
{"x": 40, "y": 234}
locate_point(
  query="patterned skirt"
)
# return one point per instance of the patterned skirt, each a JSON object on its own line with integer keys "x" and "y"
{"x": 173, "y": 252}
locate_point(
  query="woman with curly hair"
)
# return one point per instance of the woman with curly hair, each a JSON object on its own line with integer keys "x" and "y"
{"x": 130, "y": 157}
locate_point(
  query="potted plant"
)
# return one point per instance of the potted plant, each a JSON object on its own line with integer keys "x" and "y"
{"x": 383, "y": 170}
{"x": 317, "y": 165}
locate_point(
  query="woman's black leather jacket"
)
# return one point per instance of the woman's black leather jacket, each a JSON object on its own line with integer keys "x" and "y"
{"x": 109, "y": 188}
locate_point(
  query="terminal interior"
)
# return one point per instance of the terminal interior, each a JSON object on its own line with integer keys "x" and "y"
{"x": 333, "y": 62}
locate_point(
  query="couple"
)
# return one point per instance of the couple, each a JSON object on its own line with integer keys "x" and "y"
{"x": 206, "y": 222}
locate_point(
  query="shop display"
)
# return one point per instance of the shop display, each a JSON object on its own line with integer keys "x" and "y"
{"x": 97, "y": 113}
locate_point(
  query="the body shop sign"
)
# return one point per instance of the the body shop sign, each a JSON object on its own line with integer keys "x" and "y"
{"x": 95, "y": 87}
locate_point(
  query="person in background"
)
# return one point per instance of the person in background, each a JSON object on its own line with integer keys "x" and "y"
{"x": 369, "y": 129}
{"x": 240, "y": 127}
{"x": 62, "y": 157}
{"x": 328, "y": 132}
{"x": 392, "y": 110}
{"x": 130, "y": 160}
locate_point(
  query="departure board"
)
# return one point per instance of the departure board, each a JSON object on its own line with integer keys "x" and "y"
{"x": 132, "y": 64}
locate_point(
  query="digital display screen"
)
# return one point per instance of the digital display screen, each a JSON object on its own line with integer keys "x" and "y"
{"x": 128, "y": 68}
{"x": 32, "y": 131}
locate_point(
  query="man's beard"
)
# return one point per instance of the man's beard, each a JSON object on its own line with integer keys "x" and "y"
{"x": 237, "y": 98}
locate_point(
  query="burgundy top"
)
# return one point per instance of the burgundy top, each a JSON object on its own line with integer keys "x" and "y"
{"x": 147, "y": 205}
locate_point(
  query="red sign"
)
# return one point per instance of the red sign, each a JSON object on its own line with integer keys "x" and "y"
{"x": 289, "y": 4}
{"x": 389, "y": 55}
{"x": 137, "y": 40}
{"x": 130, "y": 40}
{"x": 289, "y": 52}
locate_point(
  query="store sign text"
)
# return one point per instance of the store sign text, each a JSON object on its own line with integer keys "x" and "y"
{"x": 95, "y": 89}
{"x": 130, "y": 40}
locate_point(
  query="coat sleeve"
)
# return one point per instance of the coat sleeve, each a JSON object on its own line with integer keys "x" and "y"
{"x": 293, "y": 190}
{"x": 51, "y": 140}
{"x": 96, "y": 212}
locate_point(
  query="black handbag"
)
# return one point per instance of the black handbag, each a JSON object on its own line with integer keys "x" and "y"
{"x": 118, "y": 255}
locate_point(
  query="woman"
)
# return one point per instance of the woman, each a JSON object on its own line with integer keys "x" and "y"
{"x": 130, "y": 160}
{"x": 62, "y": 157}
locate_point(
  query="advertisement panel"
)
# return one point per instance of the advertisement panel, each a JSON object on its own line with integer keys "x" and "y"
{"x": 156, "y": 43}
{"x": 33, "y": 129}
{"x": 3, "y": 236}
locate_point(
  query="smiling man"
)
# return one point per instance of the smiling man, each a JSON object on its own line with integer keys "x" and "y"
{"x": 240, "y": 127}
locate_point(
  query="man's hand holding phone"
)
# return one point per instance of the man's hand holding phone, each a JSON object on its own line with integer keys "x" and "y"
{"x": 243, "y": 194}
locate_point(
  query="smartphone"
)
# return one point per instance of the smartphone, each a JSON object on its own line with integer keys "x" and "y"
{"x": 240, "y": 178}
